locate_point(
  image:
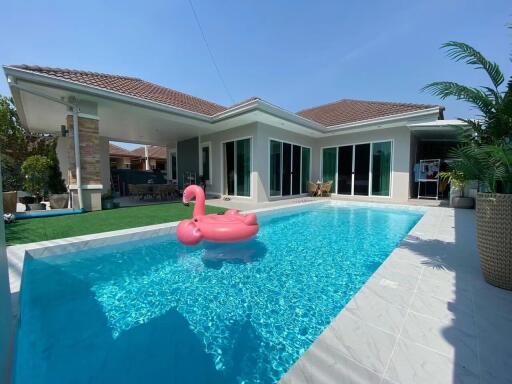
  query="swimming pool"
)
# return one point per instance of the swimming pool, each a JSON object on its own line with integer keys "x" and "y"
{"x": 157, "y": 311}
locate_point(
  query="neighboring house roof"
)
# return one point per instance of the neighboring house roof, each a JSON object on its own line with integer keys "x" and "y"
{"x": 349, "y": 111}
{"x": 130, "y": 86}
{"x": 115, "y": 150}
{"x": 154, "y": 152}
{"x": 344, "y": 111}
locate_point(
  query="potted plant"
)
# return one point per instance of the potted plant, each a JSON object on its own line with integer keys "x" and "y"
{"x": 486, "y": 153}
{"x": 107, "y": 200}
{"x": 35, "y": 170}
{"x": 458, "y": 180}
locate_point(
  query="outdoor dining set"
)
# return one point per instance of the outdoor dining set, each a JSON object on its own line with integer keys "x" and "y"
{"x": 153, "y": 191}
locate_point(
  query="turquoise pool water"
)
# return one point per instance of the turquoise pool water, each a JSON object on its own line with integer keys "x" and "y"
{"x": 158, "y": 312}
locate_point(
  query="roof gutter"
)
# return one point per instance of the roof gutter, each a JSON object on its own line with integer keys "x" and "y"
{"x": 381, "y": 120}
{"x": 76, "y": 136}
{"x": 261, "y": 105}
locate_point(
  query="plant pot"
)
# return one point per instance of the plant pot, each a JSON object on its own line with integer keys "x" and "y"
{"x": 494, "y": 237}
{"x": 36, "y": 207}
{"x": 463, "y": 202}
{"x": 59, "y": 201}
{"x": 107, "y": 204}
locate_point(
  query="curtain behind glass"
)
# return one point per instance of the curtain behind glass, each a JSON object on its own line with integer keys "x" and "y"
{"x": 275, "y": 168}
{"x": 243, "y": 167}
{"x": 381, "y": 168}
{"x": 305, "y": 168}
{"x": 206, "y": 163}
{"x": 329, "y": 164}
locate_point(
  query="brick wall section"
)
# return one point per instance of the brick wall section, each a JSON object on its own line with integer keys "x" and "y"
{"x": 89, "y": 151}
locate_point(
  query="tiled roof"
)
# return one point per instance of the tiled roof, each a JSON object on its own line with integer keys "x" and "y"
{"x": 340, "y": 112}
{"x": 154, "y": 151}
{"x": 130, "y": 86}
{"x": 349, "y": 111}
{"x": 115, "y": 150}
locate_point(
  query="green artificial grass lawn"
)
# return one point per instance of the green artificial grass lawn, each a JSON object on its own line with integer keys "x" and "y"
{"x": 49, "y": 228}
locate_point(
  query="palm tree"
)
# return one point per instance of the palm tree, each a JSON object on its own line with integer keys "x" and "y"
{"x": 485, "y": 152}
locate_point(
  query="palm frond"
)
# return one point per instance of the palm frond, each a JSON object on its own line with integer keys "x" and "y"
{"x": 463, "y": 52}
{"x": 475, "y": 96}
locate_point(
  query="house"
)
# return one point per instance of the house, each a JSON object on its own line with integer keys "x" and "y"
{"x": 121, "y": 158}
{"x": 253, "y": 150}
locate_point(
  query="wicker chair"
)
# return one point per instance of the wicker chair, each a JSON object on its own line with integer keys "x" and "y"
{"x": 312, "y": 189}
{"x": 325, "y": 189}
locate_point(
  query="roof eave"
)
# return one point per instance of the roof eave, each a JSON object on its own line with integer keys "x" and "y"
{"x": 271, "y": 109}
{"x": 40, "y": 78}
{"x": 382, "y": 120}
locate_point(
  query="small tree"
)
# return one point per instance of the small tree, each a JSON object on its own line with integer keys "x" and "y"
{"x": 35, "y": 171}
{"x": 13, "y": 145}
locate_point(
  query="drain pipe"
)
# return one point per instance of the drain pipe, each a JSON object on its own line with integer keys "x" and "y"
{"x": 74, "y": 108}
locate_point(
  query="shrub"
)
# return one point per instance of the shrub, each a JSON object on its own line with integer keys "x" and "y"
{"x": 35, "y": 170}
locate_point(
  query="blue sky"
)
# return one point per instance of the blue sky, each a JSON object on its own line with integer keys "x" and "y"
{"x": 294, "y": 54}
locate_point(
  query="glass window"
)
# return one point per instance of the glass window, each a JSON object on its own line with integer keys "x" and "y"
{"x": 306, "y": 158}
{"x": 275, "y": 168}
{"x": 243, "y": 167}
{"x": 205, "y": 155}
{"x": 328, "y": 164}
{"x": 174, "y": 166}
{"x": 381, "y": 168}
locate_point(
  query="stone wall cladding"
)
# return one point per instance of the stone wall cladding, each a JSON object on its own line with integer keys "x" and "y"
{"x": 89, "y": 151}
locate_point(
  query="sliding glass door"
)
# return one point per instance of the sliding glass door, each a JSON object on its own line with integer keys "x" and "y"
{"x": 237, "y": 167}
{"x": 275, "y": 168}
{"x": 329, "y": 164}
{"x": 289, "y": 168}
{"x": 305, "y": 170}
{"x": 345, "y": 170}
{"x": 359, "y": 169}
{"x": 362, "y": 169}
{"x": 381, "y": 168}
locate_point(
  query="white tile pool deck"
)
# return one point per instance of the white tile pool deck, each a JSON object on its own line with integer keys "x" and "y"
{"x": 425, "y": 316}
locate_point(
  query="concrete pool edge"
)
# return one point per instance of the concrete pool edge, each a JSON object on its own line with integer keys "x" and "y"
{"x": 364, "y": 363}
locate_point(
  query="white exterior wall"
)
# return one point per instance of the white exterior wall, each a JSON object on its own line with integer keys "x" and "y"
{"x": 265, "y": 134}
{"x": 261, "y": 135}
{"x": 216, "y": 140}
{"x": 401, "y": 137}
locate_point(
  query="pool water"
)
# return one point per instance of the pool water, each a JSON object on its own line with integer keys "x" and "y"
{"x": 158, "y": 312}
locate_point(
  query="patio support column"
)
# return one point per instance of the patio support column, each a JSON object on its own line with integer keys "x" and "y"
{"x": 90, "y": 167}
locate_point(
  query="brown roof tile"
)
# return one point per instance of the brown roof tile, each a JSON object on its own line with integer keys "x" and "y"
{"x": 155, "y": 152}
{"x": 115, "y": 150}
{"x": 340, "y": 112}
{"x": 349, "y": 111}
{"x": 130, "y": 86}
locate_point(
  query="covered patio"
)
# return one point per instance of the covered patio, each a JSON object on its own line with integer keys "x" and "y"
{"x": 63, "y": 107}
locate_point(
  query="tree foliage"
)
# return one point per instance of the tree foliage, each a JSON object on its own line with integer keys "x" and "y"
{"x": 17, "y": 144}
{"x": 36, "y": 170}
{"x": 485, "y": 152}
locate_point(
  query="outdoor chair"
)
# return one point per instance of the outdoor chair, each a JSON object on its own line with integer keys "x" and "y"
{"x": 325, "y": 189}
{"x": 312, "y": 189}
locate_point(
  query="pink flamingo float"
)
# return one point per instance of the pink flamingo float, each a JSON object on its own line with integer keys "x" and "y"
{"x": 230, "y": 227}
